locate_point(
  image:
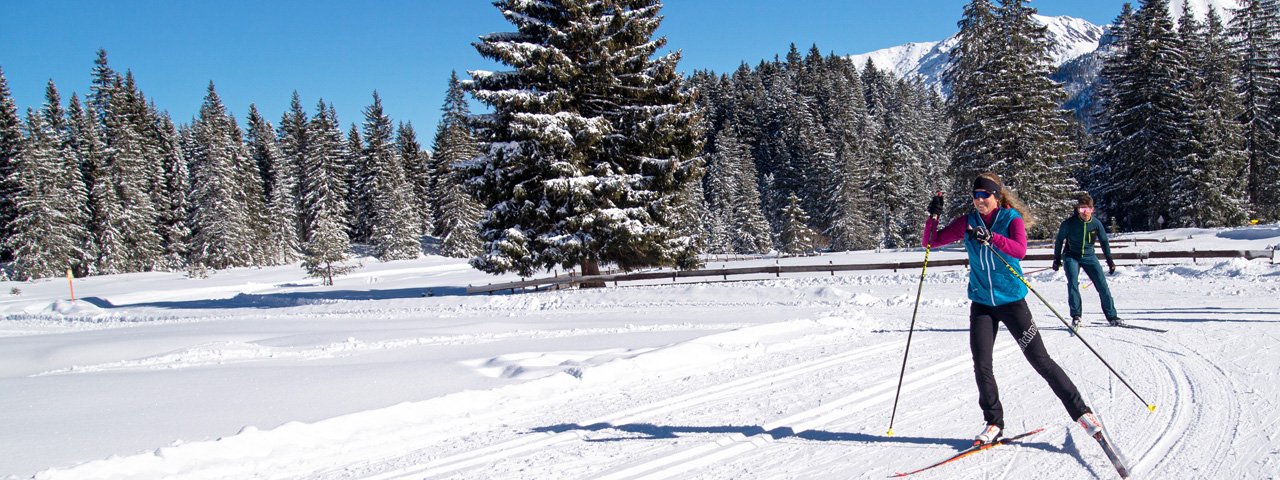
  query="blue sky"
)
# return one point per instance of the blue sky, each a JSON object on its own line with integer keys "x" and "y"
{"x": 261, "y": 51}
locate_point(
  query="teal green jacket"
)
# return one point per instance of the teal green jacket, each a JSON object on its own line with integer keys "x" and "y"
{"x": 1076, "y": 238}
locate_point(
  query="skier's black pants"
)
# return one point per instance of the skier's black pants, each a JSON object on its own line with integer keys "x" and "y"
{"x": 984, "y": 324}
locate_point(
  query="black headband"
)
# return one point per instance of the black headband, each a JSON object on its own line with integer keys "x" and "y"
{"x": 986, "y": 184}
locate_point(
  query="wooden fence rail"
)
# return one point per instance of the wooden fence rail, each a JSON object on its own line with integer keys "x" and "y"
{"x": 561, "y": 281}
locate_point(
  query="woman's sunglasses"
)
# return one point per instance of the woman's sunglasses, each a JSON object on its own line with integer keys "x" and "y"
{"x": 981, "y": 195}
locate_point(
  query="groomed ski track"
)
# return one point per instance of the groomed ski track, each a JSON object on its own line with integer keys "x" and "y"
{"x": 822, "y": 412}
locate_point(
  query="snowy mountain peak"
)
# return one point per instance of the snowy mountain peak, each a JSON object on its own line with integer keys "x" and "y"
{"x": 1200, "y": 8}
{"x": 1070, "y": 37}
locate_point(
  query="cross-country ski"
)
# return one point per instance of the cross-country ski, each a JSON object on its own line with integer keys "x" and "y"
{"x": 970, "y": 451}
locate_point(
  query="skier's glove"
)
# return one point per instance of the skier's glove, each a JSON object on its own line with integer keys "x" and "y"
{"x": 981, "y": 234}
{"x": 1111, "y": 266}
{"x": 935, "y": 205}
{"x": 1057, "y": 263}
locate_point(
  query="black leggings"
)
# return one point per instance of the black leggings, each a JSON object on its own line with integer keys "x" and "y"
{"x": 984, "y": 323}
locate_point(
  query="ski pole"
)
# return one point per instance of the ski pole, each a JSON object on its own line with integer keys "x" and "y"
{"x": 1150, "y": 406}
{"x": 928, "y": 244}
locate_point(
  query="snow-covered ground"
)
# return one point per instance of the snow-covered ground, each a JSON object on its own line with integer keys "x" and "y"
{"x": 394, "y": 373}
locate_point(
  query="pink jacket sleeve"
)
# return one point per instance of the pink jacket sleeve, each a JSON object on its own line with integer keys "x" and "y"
{"x": 953, "y": 231}
{"x": 1015, "y": 245}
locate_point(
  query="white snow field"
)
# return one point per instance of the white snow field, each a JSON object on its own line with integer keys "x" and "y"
{"x": 395, "y": 373}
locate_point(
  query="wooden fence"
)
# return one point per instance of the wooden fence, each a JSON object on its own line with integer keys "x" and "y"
{"x": 570, "y": 280}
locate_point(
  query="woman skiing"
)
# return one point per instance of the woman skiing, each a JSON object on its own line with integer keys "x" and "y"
{"x": 996, "y": 227}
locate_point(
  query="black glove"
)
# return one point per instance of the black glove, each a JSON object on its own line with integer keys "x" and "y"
{"x": 1111, "y": 265}
{"x": 1057, "y": 263}
{"x": 935, "y": 205}
{"x": 981, "y": 234}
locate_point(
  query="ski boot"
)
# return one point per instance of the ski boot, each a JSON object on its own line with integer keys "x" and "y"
{"x": 1116, "y": 322}
{"x": 1090, "y": 424}
{"x": 990, "y": 433}
{"x": 1075, "y": 323}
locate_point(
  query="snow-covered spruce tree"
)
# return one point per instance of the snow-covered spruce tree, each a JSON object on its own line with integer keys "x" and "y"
{"x": 591, "y": 143}
{"x": 279, "y": 184}
{"x": 221, "y": 234}
{"x": 1145, "y": 133}
{"x": 418, "y": 168}
{"x": 130, "y": 170}
{"x": 1210, "y": 186}
{"x": 1005, "y": 112}
{"x": 175, "y": 231}
{"x": 720, "y": 190}
{"x": 846, "y": 200}
{"x": 323, "y": 185}
{"x": 90, "y": 154}
{"x": 452, "y": 133}
{"x": 458, "y": 213}
{"x": 969, "y": 105}
{"x": 44, "y": 240}
{"x": 75, "y": 203}
{"x": 10, "y": 146}
{"x": 1255, "y": 37}
{"x": 395, "y": 232}
{"x": 796, "y": 236}
{"x": 359, "y": 188}
{"x": 460, "y": 222}
{"x": 291, "y": 136}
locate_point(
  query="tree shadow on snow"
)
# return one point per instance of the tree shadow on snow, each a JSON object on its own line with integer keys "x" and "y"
{"x": 290, "y": 299}
{"x": 648, "y": 431}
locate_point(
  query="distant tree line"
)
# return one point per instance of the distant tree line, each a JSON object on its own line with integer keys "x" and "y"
{"x": 112, "y": 185}
{"x": 594, "y": 150}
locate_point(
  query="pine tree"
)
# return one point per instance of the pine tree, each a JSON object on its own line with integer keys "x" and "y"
{"x": 225, "y": 192}
{"x": 720, "y": 190}
{"x": 972, "y": 70}
{"x": 460, "y": 223}
{"x": 44, "y": 239}
{"x": 90, "y": 156}
{"x": 394, "y": 231}
{"x": 360, "y": 188}
{"x": 73, "y": 201}
{"x": 323, "y": 188}
{"x": 418, "y": 166}
{"x": 591, "y": 144}
{"x": 176, "y": 185}
{"x": 130, "y": 171}
{"x": 457, "y": 213}
{"x": 796, "y": 236}
{"x": 279, "y": 184}
{"x": 1210, "y": 186}
{"x": 102, "y": 88}
{"x": 293, "y": 141}
{"x": 11, "y": 141}
{"x": 1255, "y": 34}
{"x": 1005, "y": 112}
{"x": 1145, "y": 135}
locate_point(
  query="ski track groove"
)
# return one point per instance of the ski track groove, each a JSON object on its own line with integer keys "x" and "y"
{"x": 1191, "y": 419}
{"x": 537, "y": 440}
{"x": 732, "y": 445}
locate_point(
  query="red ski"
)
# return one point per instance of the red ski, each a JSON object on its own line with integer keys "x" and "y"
{"x": 970, "y": 451}
{"x": 1113, "y": 454}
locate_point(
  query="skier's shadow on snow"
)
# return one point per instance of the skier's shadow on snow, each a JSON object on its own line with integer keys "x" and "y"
{"x": 1207, "y": 311}
{"x": 649, "y": 431}
{"x": 290, "y": 299}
